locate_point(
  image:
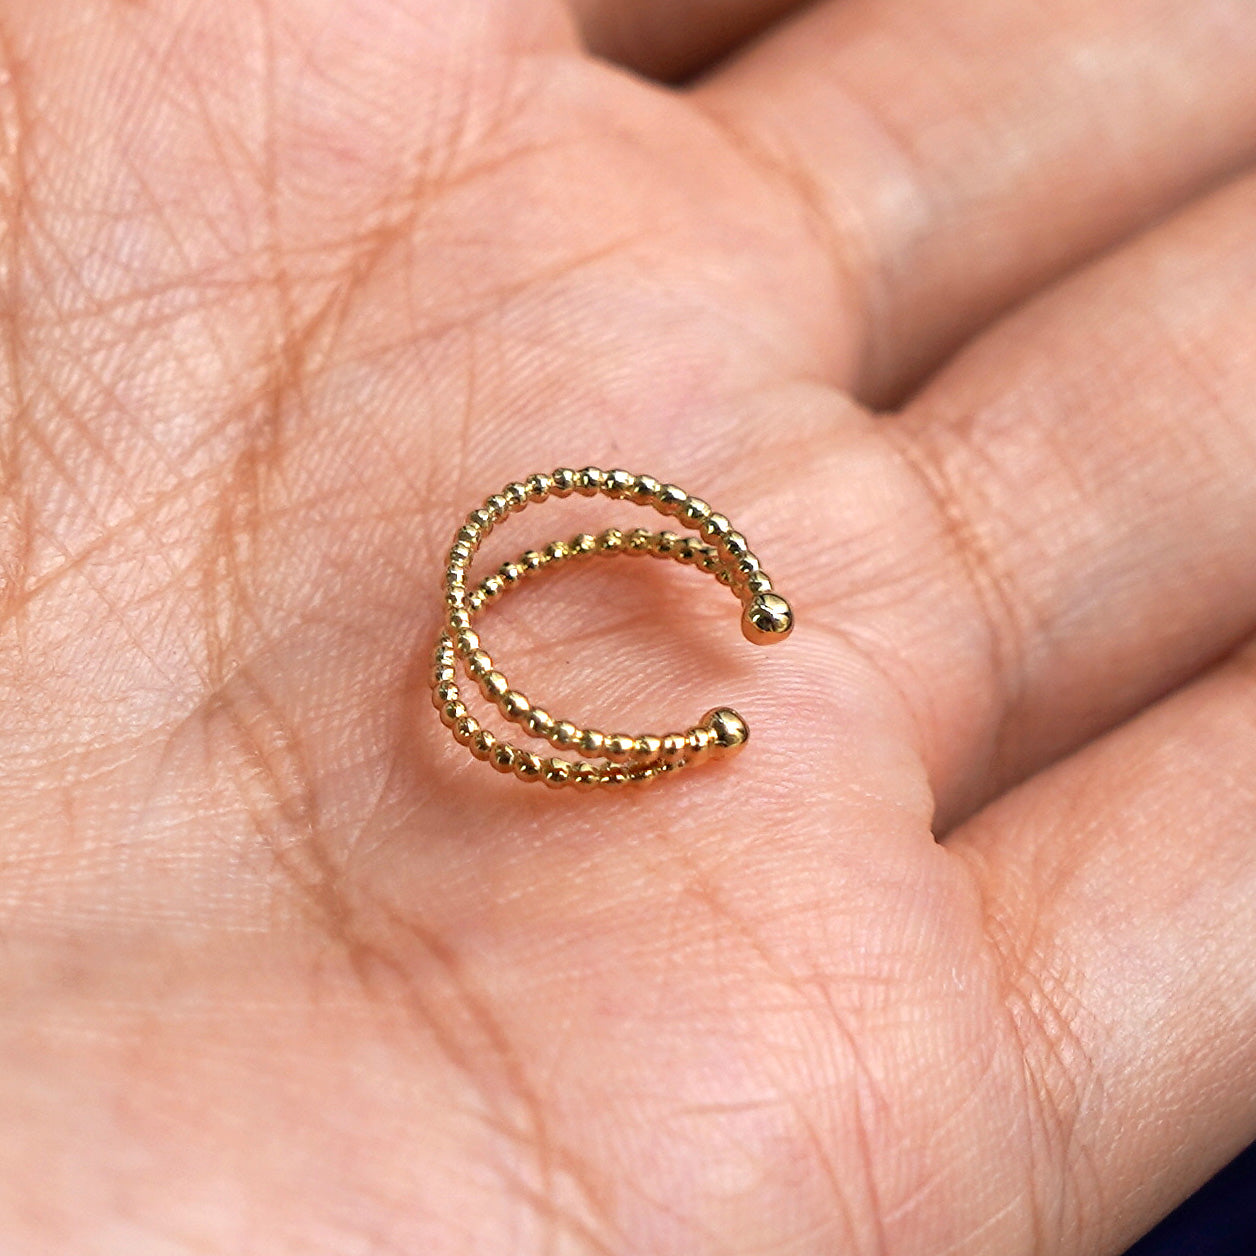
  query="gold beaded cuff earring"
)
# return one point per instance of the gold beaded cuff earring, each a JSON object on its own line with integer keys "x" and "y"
{"x": 606, "y": 758}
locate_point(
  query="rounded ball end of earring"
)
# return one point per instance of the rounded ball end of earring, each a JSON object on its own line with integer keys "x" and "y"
{"x": 767, "y": 619}
{"x": 729, "y": 732}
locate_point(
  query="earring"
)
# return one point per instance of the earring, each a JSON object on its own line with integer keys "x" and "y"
{"x": 605, "y": 758}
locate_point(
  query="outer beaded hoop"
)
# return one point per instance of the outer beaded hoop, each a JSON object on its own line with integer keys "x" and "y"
{"x": 606, "y": 758}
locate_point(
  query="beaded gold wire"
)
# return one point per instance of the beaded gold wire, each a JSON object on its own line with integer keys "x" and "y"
{"x": 605, "y": 758}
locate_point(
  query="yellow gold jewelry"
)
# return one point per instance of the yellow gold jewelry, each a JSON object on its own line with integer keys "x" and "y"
{"x": 606, "y": 758}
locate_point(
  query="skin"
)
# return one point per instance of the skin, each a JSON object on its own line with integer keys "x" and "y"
{"x": 947, "y": 305}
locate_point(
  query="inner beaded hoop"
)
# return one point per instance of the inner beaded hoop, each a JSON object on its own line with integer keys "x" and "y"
{"x": 606, "y": 758}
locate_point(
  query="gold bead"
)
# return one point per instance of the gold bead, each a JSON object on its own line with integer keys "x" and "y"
{"x": 694, "y": 512}
{"x": 589, "y": 481}
{"x": 671, "y": 500}
{"x": 556, "y": 551}
{"x": 482, "y": 519}
{"x": 565, "y": 733}
{"x": 689, "y": 550}
{"x": 759, "y": 583}
{"x": 715, "y": 527}
{"x": 503, "y": 756}
{"x": 675, "y": 747}
{"x": 445, "y": 692}
{"x": 618, "y": 747}
{"x": 526, "y": 766}
{"x": 493, "y": 587}
{"x": 647, "y": 748}
{"x": 611, "y": 541}
{"x": 665, "y": 543}
{"x": 591, "y": 742}
{"x": 452, "y": 712}
{"x": 478, "y": 664}
{"x": 563, "y": 481}
{"x": 466, "y": 641}
{"x": 458, "y": 621}
{"x": 470, "y": 535}
{"x": 639, "y": 541}
{"x": 540, "y": 723}
{"x": 539, "y": 487}
{"x": 735, "y": 545}
{"x": 698, "y": 742}
{"x": 558, "y": 772}
{"x": 533, "y": 560}
{"x": 619, "y": 484}
{"x": 513, "y": 704}
{"x": 729, "y": 732}
{"x": 767, "y": 619}
{"x": 645, "y": 490}
{"x": 516, "y": 494}
{"x": 585, "y": 776}
{"x": 583, "y": 543}
{"x": 465, "y": 730}
{"x": 482, "y": 745}
{"x": 494, "y": 685}
{"x": 499, "y": 504}
{"x": 510, "y": 573}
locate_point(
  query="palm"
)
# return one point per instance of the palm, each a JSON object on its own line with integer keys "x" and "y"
{"x": 294, "y": 297}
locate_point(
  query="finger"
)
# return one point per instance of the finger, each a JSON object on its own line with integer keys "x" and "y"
{"x": 1067, "y": 514}
{"x": 670, "y": 40}
{"x": 1121, "y": 892}
{"x": 958, "y": 156}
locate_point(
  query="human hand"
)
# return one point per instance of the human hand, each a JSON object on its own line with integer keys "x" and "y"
{"x": 947, "y": 306}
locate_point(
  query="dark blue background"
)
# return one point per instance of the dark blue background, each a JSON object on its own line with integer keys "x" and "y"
{"x": 1220, "y": 1220}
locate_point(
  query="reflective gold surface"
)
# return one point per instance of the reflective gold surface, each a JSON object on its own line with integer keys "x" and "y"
{"x": 606, "y": 758}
